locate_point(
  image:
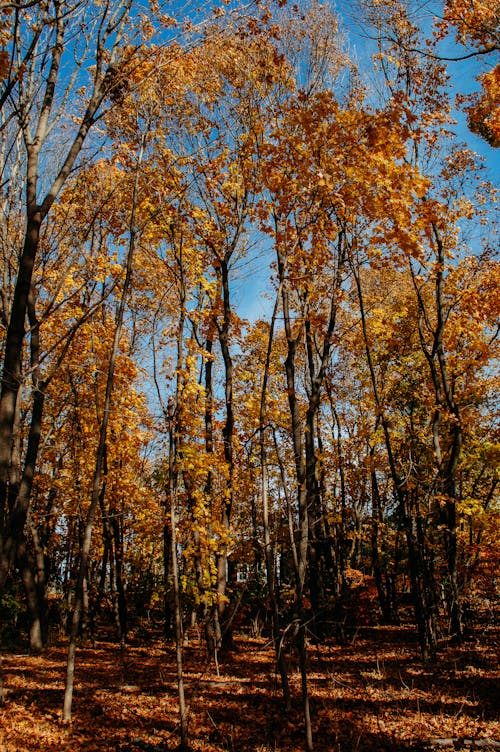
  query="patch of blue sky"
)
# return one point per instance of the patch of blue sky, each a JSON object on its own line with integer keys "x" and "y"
{"x": 252, "y": 287}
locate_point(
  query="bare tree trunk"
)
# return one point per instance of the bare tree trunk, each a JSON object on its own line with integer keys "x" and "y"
{"x": 121, "y": 601}
{"x": 213, "y": 633}
{"x": 268, "y": 548}
{"x": 385, "y": 596}
{"x": 167, "y": 573}
{"x": 227, "y": 433}
{"x": 172, "y": 486}
{"x": 340, "y": 528}
{"x": 300, "y": 474}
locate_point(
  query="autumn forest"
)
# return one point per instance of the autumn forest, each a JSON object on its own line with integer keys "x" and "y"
{"x": 249, "y": 417}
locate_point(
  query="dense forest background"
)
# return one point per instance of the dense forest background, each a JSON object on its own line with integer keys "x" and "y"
{"x": 164, "y": 459}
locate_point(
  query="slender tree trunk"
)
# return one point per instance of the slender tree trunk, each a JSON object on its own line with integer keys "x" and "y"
{"x": 339, "y": 575}
{"x": 448, "y": 442}
{"x": 103, "y": 576}
{"x": 385, "y": 596}
{"x": 288, "y": 502}
{"x": 108, "y": 553}
{"x": 300, "y": 474}
{"x": 420, "y": 581}
{"x": 227, "y": 435}
{"x": 168, "y": 627}
{"x": 213, "y": 633}
{"x": 175, "y": 426}
{"x": 317, "y": 359}
{"x": 423, "y": 588}
{"x": 172, "y": 484}
{"x": 117, "y": 530}
{"x": 268, "y": 547}
{"x": 100, "y": 452}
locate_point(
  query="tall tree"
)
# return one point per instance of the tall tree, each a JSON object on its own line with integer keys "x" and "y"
{"x": 100, "y": 453}
{"x": 38, "y": 101}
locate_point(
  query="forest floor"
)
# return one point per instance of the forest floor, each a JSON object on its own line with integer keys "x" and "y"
{"x": 371, "y": 693}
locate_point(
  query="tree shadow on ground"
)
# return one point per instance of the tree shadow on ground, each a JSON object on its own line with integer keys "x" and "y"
{"x": 370, "y": 695}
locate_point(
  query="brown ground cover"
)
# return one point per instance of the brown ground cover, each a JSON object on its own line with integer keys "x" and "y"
{"x": 370, "y": 694}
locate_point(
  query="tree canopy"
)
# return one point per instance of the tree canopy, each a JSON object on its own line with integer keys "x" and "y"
{"x": 157, "y": 449}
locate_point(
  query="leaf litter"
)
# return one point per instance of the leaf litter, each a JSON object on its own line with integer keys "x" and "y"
{"x": 370, "y": 694}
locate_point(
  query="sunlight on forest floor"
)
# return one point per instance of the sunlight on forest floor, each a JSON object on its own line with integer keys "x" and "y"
{"x": 371, "y": 693}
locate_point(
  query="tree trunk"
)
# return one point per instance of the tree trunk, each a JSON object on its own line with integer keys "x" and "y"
{"x": 421, "y": 584}
{"x": 35, "y": 583}
{"x": 34, "y": 122}
{"x": 172, "y": 492}
{"x": 302, "y": 500}
{"x": 100, "y": 452}
{"x": 268, "y": 547}
{"x": 117, "y": 529}
{"x": 384, "y": 592}
{"x": 448, "y": 443}
{"x": 168, "y": 626}
{"x": 227, "y": 435}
